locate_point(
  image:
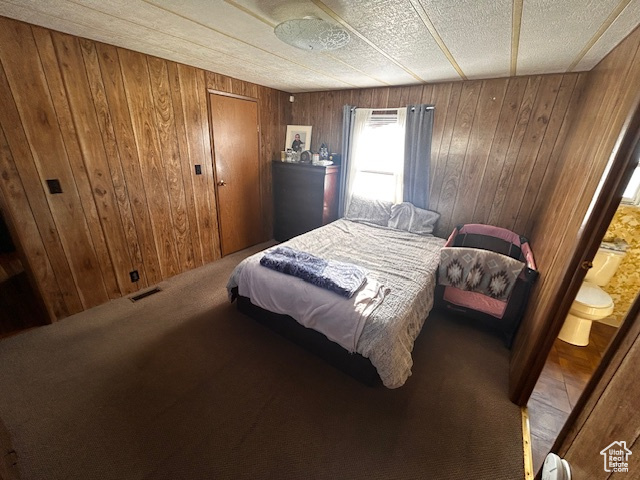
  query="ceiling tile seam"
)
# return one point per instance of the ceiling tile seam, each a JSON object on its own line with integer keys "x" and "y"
{"x": 599, "y": 33}
{"x": 248, "y": 11}
{"x": 336, "y": 59}
{"x": 349, "y": 27}
{"x": 46, "y": 14}
{"x": 163, "y": 33}
{"x": 92, "y": 27}
{"x": 516, "y": 24}
{"x": 424, "y": 16}
{"x": 319, "y": 72}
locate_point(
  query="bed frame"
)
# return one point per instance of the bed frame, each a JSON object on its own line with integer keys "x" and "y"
{"x": 352, "y": 364}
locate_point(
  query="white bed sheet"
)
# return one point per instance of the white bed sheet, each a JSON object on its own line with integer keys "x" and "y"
{"x": 403, "y": 262}
{"x": 339, "y": 318}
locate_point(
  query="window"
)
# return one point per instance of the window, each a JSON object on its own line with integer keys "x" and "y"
{"x": 632, "y": 192}
{"x": 377, "y": 154}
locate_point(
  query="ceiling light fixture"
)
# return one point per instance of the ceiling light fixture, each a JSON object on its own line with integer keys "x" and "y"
{"x": 310, "y": 33}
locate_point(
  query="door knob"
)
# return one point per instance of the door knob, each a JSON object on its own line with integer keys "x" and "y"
{"x": 222, "y": 183}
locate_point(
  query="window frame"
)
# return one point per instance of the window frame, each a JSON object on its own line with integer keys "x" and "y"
{"x": 635, "y": 199}
{"x": 379, "y": 117}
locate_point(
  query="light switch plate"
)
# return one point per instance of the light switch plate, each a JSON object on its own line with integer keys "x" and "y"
{"x": 54, "y": 186}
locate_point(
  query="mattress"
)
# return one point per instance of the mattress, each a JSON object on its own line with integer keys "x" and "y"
{"x": 403, "y": 262}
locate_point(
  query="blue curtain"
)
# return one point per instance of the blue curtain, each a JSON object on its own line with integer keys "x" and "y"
{"x": 348, "y": 116}
{"x": 417, "y": 154}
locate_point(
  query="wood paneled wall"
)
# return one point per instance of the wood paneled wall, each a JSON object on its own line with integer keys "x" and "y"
{"x": 122, "y": 132}
{"x": 525, "y": 153}
{"x": 495, "y": 142}
{"x": 609, "y": 99}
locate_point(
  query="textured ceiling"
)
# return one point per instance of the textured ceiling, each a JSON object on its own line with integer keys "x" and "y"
{"x": 393, "y": 42}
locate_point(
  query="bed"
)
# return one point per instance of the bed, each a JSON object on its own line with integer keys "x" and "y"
{"x": 402, "y": 263}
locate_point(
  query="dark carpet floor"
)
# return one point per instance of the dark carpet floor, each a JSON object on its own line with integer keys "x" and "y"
{"x": 182, "y": 386}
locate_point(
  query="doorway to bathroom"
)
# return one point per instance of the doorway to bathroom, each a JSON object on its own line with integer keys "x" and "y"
{"x": 569, "y": 368}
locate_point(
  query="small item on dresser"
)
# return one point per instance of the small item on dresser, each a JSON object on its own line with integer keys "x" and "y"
{"x": 305, "y": 157}
{"x": 336, "y": 158}
{"x": 316, "y": 157}
{"x": 283, "y": 156}
{"x": 324, "y": 152}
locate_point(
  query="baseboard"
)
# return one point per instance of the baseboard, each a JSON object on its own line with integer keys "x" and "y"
{"x": 611, "y": 321}
{"x": 526, "y": 445}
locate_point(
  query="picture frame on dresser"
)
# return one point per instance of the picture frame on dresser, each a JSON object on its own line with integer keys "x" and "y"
{"x": 300, "y": 143}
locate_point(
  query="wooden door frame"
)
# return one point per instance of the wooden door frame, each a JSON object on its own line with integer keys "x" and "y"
{"x": 213, "y": 151}
{"x": 606, "y": 200}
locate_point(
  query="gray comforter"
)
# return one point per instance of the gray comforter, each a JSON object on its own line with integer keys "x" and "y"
{"x": 403, "y": 262}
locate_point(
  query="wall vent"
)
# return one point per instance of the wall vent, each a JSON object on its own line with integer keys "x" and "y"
{"x": 142, "y": 295}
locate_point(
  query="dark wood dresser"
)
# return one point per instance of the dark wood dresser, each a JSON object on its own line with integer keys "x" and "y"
{"x": 305, "y": 197}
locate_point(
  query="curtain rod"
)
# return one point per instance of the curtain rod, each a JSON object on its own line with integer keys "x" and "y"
{"x": 430, "y": 107}
{"x": 381, "y": 109}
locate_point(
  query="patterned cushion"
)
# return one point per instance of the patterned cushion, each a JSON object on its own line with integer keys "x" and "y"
{"x": 477, "y": 270}
{"x": 365, "y": 210}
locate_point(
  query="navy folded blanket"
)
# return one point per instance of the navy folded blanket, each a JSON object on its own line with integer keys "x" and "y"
{"x": 339, "y": 277}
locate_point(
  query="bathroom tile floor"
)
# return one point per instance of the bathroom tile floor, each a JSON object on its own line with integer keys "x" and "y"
{"x": 565, "y": 374}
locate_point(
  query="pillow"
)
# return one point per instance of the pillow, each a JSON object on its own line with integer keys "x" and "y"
{"x": 406, "y": 216}
{"x": 367, "y": 210}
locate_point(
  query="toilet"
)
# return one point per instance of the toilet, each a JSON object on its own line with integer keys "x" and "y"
{"x": 591, "y": 302}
